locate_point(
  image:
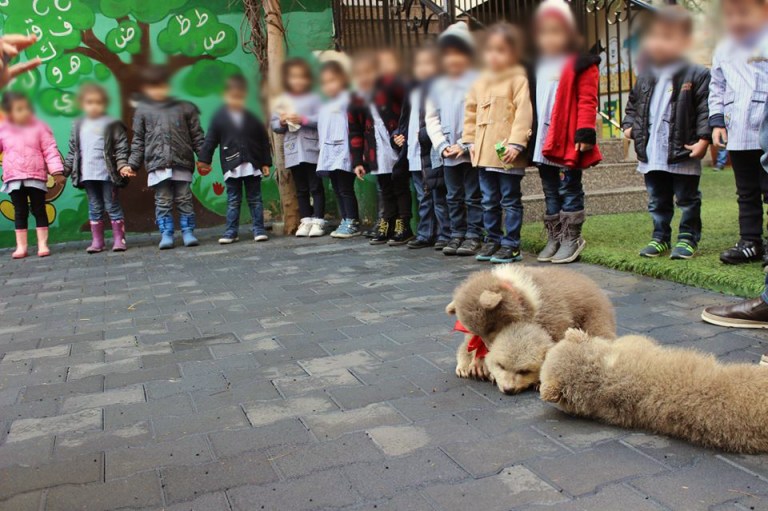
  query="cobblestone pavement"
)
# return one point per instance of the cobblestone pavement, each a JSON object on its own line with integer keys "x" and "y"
{"x": 312, "y": 374}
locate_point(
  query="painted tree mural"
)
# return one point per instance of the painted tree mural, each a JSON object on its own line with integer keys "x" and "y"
{"x": 75, "y": 47}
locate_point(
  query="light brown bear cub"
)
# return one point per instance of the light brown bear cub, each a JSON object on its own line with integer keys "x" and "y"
{"x": 490, "y": 303}
{"x": 634, "y": 383}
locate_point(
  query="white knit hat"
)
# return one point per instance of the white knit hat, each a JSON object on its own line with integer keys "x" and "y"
{"x": 559, "y": 8}
{"x": 457, "y": 36}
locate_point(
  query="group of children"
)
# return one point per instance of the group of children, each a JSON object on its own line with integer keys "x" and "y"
{"x": 463, "y": 137}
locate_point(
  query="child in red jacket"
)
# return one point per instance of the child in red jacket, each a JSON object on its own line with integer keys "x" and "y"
{"x": 565, "y": 106}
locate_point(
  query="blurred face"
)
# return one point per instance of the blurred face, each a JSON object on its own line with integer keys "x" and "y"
{"x": 389, "y": 63}
{"x": 92, "y": 104}
{"x": 497, "y": 54}
{"x": 298, "y": 81}
{"x": 21, "y": 112}
{"x": 331, "y": 84}
{"x": 743, "y": 18}
{"x": 455, "y": 62}
{"x": 159, "y": 92}
{"x": 665, "y": 43}
{"x": 365, "y": 75}
{"x": 235, "y": 98}
{"x": 552, "y": 36}
{"x": 424, "y": 65}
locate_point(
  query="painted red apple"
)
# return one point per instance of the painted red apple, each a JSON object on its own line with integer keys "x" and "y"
{"x": 218, "y": 188}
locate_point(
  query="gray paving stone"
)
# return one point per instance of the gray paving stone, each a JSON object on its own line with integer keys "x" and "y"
{"x": 261, "y": 413}
{"x": 26, "y": 429}
{"x": 29, "y": 453}
{"x": 512, "y": 487}
{"x": 286, "y": 433}
{"x": 224, "y": 418}
{"x": 58, "y": 390}
{"x": 709, "y": 482}
{"x": 119, "y": 366}
{"x": 303, "y": 494}
{"x": 139, "y": 491}
{"x": 449, "y": 402}
{"x": 166, "y": 373}
{"x": 579, "y": 434}
{"x": 389, "y": 477}
{"x": 25, "y": 502}
{"x": 21, "y": 479}
{"x": 121, "y": 396}
{"x": 210, "y": 502}
{"x": 334, "y": 424}
{"x": 607, "y": 498}
{"x": 583, "y": 472}
{"x": 127, "y": 415}
{"x": 187, "y": 482}
{"x": 130, "y": 460}
{"x": 364, "y": 395}
{"x": 300, "y": 385}
{"x": 70, "y": 444}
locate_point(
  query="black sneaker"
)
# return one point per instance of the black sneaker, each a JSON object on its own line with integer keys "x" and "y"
{"x": 440, "y": 244}
{"x": 744, "y": 252}
{"x": 402, "y": 233}
{"x": 371, "y": 233}
{"x": 507, "y": 255}
{"x": 383, "y": 232}
{"x": 453, "y": 246}
{"x": 420, "y": 243}
{"x": 489, "y": 248}
{"x": 654, "y": 248}
{"x": 470, "y": 247}
{"x": 684, "y": 249}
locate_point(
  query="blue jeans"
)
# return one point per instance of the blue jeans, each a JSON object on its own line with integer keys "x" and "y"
{"x": 664, "y": 189}
{"x": 464, "y": 201}
{"x": 563, "y": 190}
{"x": 764, "y": 296}
{"x": 170, "y": 192}
{"x": 252, "y": 185}
{"x": 722, "y": 158}
{"x": 502, "y": 192}
{"x": 102, "y": 197}
{"x": 433, "y": 211}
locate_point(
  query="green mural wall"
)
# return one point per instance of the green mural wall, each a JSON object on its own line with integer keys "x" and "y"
{"x": 108, "y": 41}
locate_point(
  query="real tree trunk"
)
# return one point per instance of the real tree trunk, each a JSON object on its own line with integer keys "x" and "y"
{"x": 275, "y": 58}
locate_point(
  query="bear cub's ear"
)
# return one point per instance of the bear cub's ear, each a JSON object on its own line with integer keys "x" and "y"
{"x": 450, "y": 309}
{"x": 576, "y": 335}
{"x": 490, "y": 300}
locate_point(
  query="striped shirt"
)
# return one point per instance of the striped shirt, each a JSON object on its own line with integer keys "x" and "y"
{"x": 333, "y": 134}
{"x": 738, "y": 90}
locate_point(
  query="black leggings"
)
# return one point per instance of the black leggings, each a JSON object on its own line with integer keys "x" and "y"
{"x": 394, "y": 195}
{"x": 344, "y": 187}
{"x": 309, "y": 184}
{"x": 752, "y": 192}
{"x": 25, "y": 199}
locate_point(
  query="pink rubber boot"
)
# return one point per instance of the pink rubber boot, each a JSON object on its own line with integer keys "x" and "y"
{"x": 118, "y": 233}
{"x": 97, "y": 235}
{"x": 21, "y": 244}
{"x": 42, "y": 242}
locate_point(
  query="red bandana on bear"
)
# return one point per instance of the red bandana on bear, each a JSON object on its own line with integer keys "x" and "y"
{"x": 476, "y": 343}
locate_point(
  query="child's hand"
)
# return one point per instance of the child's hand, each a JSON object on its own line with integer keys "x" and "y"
{"x": 628, "y": 133}
{"x": 265, "y": 171}
{"x": 203, "y": 167}
{"x": 720, "y": 137}
{"x": 510, "y": 154}
{"x": 360, "y": 172}
{"x": 127, "y": 172}
{"x": 457, "y": 150}
{"x": 472, "y": 152}
{"x": 294, "y": 119}
{"x": 699, "y": 149}
{"x": 59, "y": 179}
{"x": 399, "y": 140}
{"x": 283, "y": 119}
{"x": 583, "y": 148}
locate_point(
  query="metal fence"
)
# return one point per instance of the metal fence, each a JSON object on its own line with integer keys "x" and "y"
{"x": 610, "y": 28}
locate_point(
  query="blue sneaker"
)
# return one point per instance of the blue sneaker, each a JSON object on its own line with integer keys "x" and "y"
{"x": 341, "y": 229}
{"x": 347, "y": 229}
{"x": 507, "y": 255}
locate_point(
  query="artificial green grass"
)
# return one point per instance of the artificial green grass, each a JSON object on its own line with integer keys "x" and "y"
{"x": 615, "y": 240}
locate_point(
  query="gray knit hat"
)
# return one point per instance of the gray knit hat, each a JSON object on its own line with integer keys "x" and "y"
{"x": 457, "y": 36}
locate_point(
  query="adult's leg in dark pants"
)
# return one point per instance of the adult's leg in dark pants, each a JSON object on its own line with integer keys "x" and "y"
{"x": 661, "y": 204}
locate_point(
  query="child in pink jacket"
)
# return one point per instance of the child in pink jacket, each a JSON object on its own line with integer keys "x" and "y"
{"x": 29, "y": 155}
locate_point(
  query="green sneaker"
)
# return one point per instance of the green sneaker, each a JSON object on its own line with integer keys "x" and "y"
{"x": 684, "y": 249}
{"x": 654, "y": 249}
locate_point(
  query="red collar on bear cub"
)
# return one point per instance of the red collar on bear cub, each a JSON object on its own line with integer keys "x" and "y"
{"x": 476, "y": 343}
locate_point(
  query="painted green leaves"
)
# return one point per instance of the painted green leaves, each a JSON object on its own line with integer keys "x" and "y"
{"x": 126, "y": 36}
{"x": 148, "y": 11}
{"x": 196, "y": 32}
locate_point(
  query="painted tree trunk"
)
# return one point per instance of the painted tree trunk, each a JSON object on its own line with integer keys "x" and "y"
{"x": 275, "y": 58}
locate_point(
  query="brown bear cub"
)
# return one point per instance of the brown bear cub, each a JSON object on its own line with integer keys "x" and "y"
{"x": 634, "y": 383}
{"x": 524, "y": 310}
